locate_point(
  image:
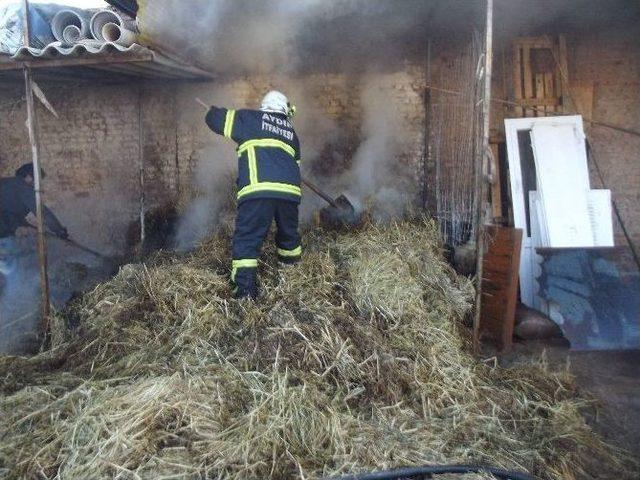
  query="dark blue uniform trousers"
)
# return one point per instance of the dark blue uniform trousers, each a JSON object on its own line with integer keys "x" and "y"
{"x": 253, "y": 220}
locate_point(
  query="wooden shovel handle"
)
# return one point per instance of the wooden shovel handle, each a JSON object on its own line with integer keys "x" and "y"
{"x": 320, "y": 193}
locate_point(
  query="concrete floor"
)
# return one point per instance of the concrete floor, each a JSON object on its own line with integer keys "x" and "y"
{"x": 612, "y": 377}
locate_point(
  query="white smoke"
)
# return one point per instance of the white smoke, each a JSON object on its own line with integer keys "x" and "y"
{"x": 19, "y": 301}
{"x": 216, "y": 167}
{"x": 319, "y": 134}
{"x": 212, "y": 177}
{"x": 282, "y": 36}
{"x": 377, "y": 179}
{"x": 283, "y": 45}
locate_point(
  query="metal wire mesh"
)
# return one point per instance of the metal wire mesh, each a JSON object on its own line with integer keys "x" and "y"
{"x": 454, "y": 133}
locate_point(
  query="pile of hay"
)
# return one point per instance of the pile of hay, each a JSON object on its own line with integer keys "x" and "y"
{"x": 352, "y": 361}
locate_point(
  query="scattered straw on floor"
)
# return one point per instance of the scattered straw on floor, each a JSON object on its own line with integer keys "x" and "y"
{"x": 352, "y": 361}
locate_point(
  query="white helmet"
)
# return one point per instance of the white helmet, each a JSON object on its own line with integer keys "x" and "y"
{"x": 275, "y": 102}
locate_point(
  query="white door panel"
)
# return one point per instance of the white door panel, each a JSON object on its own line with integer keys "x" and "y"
{"x": 563, "y": 184}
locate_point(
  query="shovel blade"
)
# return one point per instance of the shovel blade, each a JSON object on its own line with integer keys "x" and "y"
{"x": 342, "y": 215}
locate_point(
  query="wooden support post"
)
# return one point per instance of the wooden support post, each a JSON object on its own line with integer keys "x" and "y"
{"x": 517, "y": 78}
{"x": 141, "y": 169}
{"x": 176, "y": 120}
{"x": 528, "y": 79}
{"x": 564, "y": 69}
{"x": 32, "y": 124}
{"x": 496, "y": 192}
{"x": 549, "y": 91}
{"x": 426, "y": 196}
{"x": 480, "y": 180}
{"x": 542, "y": 110}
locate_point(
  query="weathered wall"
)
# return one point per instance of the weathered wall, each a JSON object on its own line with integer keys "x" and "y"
{"x": 610, "y": 61}
{"x": 89, "y": 155}
{"x": 91, "y": 152}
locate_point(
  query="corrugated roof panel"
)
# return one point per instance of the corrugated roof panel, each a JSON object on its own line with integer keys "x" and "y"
{"x": 56, "y": 49}
{"x": 133, "y": 60}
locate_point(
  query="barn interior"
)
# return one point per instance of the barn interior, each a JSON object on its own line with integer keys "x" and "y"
{"x": 392, "y": 110}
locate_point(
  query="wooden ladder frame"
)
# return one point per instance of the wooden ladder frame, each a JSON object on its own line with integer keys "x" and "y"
{"x": 539, "y": 93}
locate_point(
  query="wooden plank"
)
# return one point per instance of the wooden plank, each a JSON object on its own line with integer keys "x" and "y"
{"x": 495, "y": 290}
{"x": 564, "y": 68}
{"x": 141, "y": 164}
{"x": 496, "y": 312}
{"x": 541, "y": 111}
{"x": 558, "y": 80}
{"x": 535, "y": 42}
{"x": 495, "y": 277}
{"x": 500, "y": 285}
{"x": 500, "y": 236}
{"x": 480, "y": 194}
{"x": 517, "y": 79}
{"x": 496, "y": 192}
{"x": 563, "y": 179}
{"x": 549, "y": 91}
{"x": 538, "y": 102}
{"x": 527, "y": 77}
{"x": 34, "y": 140}
{"x": 496, "y": 269}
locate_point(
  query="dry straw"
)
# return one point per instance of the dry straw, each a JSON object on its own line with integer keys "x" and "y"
{"x": 352, "y": 361}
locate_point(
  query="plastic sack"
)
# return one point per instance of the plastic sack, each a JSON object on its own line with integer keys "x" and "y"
{"x": 11, "y": 26}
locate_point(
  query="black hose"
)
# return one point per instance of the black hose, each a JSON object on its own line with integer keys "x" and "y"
{"x": 428, "y": 471}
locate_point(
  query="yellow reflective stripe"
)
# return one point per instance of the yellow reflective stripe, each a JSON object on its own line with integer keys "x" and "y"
{"x": 245, "y": 263}
{"x": 228, "y": 123}
{"x": 270, "y": 187}
{"x": 266, "y": 142}
{"x": 296, "y": 252}
{"x": 253, "y": 166}
{"x": 242, "y": 263}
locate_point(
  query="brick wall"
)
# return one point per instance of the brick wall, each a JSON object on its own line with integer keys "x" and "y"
{"x": 91, "y": 153}
{"x": 610, "y": 62}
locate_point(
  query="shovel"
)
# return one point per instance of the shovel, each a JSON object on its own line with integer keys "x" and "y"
{"x": 75, "y": 244}
{"x": 340, "y": 211}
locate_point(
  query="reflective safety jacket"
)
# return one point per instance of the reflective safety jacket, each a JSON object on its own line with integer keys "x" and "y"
{"x": 268, "y": 152}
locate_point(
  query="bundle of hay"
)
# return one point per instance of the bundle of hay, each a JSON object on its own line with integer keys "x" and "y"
{"x": 352, "y": 361}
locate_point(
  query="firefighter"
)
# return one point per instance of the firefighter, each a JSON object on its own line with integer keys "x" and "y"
{"x": 268, "y": 184}
{"x": 17, "y": 200}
